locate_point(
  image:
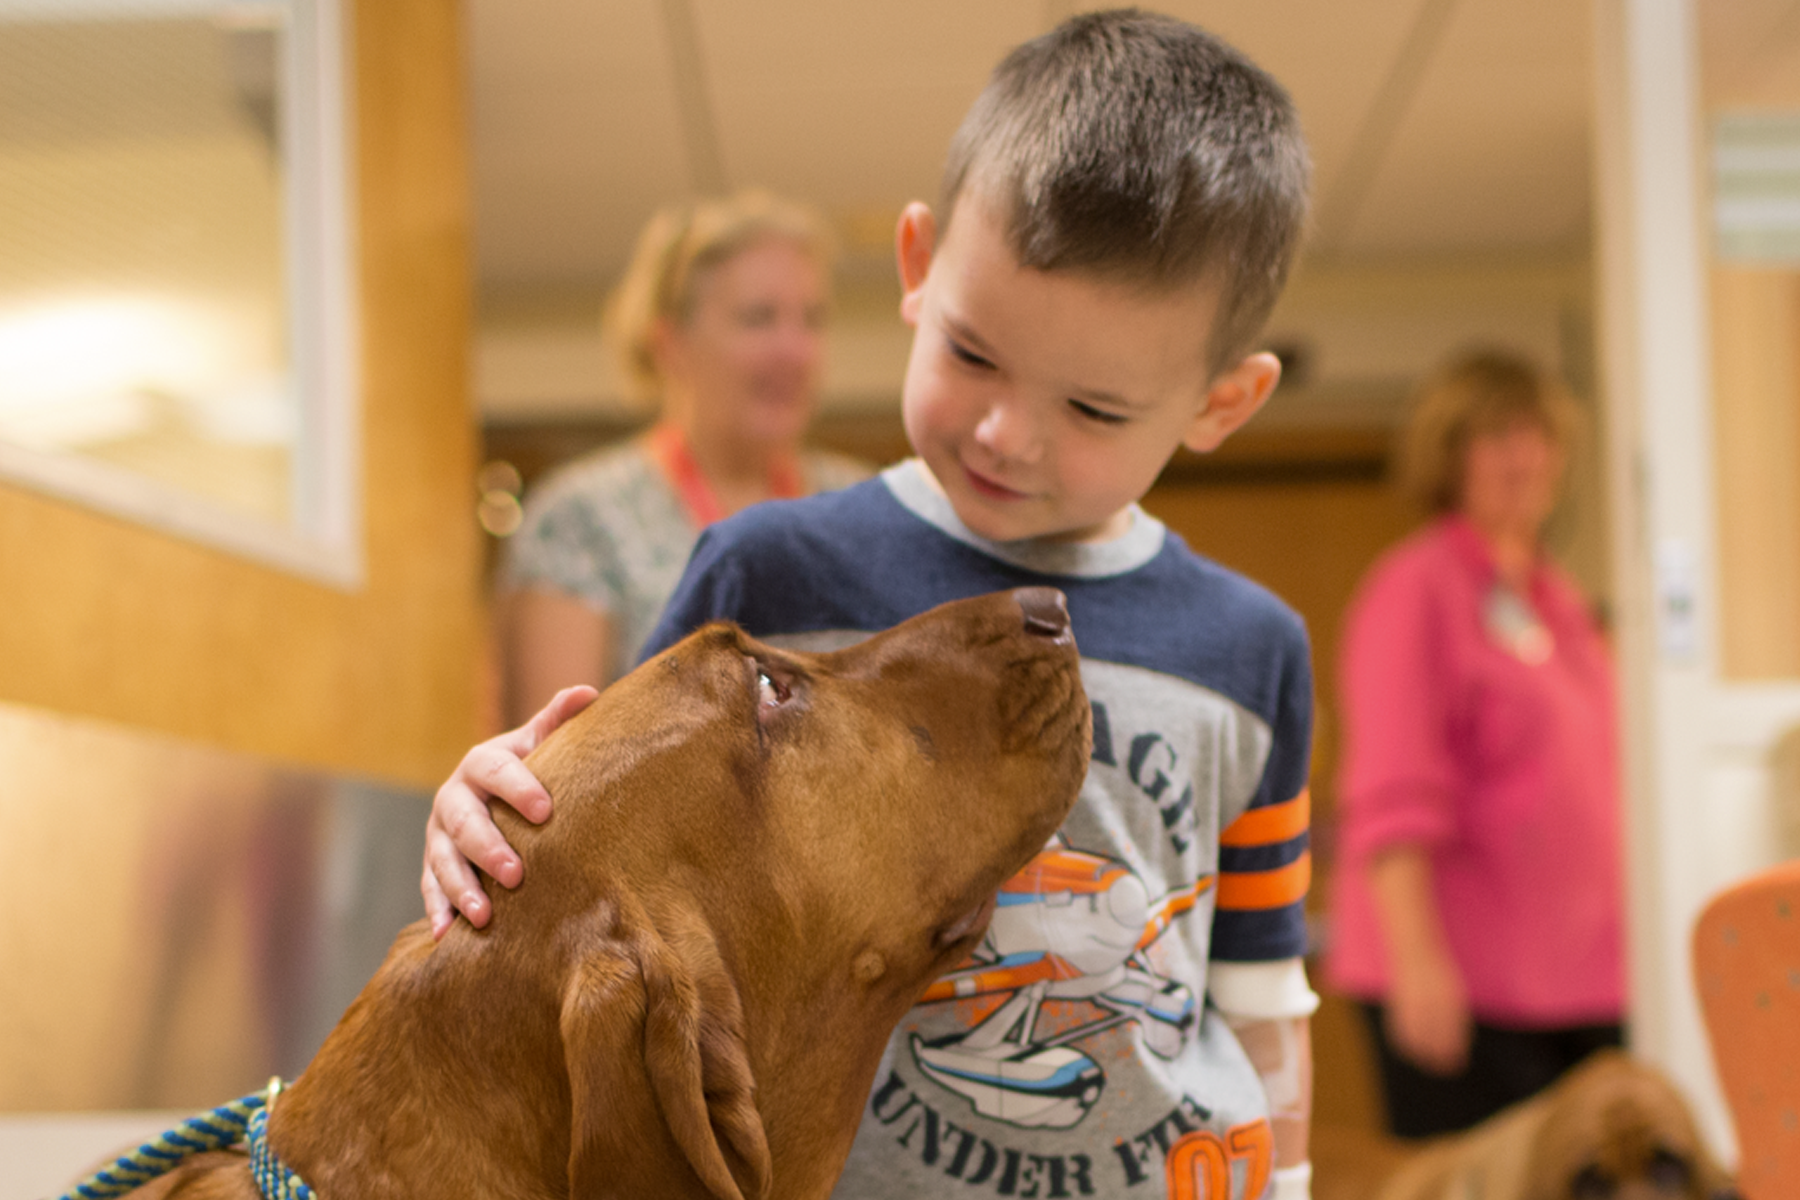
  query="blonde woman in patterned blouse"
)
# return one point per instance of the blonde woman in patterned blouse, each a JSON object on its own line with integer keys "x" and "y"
{"x": 720, "y": 319}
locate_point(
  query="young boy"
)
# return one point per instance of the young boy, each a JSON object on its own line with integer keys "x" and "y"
{"x": 1119, "y": 212}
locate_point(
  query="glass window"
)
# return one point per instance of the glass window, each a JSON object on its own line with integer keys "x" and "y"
{"x": 174, "y": 301}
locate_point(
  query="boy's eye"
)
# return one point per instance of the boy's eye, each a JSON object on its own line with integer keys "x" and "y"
{"x": 1100, "y": 415}
{"x": 966, "y": 355}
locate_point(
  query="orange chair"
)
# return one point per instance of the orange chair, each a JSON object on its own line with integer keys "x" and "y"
{"x": 1747, "y": 969}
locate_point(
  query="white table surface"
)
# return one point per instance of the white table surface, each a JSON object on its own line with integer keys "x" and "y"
{"x": 41, "y": 1154}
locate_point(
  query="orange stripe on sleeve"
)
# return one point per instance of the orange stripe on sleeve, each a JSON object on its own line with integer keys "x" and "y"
{"x": 1272, "y": 825}
{"x": 1279, "y": 888}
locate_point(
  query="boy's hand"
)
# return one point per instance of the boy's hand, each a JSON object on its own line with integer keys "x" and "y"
{"x": 461, "y": 831}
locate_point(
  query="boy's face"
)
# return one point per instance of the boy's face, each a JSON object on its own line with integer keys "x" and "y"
{"x": 1046, "y": 403}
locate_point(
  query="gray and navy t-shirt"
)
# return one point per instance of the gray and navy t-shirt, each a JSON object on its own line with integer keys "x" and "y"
{"x": 1075, "y": 1054}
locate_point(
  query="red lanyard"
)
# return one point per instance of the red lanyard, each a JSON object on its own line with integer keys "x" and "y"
{"x": 671, "y": 450}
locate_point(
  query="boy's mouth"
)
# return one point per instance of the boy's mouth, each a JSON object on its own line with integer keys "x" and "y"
{"x": 983, "y": 486}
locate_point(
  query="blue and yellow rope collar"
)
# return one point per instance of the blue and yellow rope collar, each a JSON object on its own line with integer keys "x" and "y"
{"x": 245, "y": 1120}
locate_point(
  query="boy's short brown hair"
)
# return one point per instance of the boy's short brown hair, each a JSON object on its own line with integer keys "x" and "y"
{"x": 1139, "y": 147}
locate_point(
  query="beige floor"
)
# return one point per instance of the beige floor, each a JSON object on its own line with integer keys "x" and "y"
{"x": 42, "y": 1154}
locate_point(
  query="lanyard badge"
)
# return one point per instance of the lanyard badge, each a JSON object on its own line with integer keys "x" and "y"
{"x": 1514, "y": 626}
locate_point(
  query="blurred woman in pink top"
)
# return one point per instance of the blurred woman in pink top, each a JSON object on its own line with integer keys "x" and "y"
{"x": 1477, "y": 908}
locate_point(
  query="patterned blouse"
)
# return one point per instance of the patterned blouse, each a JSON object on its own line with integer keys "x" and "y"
{"x": 610, "y": 530}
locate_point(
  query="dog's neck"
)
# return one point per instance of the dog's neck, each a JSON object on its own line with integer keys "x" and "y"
{"x": 393, "y": 1083}
{"x": 471, "y": 999}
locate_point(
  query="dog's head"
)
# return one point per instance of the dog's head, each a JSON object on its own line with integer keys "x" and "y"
{"x": 874, "y": 797}
{"x": 1617, "y": 1129}
{"x": 790, "y": 847}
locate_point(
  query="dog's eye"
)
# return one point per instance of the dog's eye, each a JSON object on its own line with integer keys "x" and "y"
{"x": 769, "y": 690}
{"x": 1592, "y": 1183}
{"x": 1669, "y": 1172}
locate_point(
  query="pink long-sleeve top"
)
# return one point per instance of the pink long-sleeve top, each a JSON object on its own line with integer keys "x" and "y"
{"x": 1497, "y": 755}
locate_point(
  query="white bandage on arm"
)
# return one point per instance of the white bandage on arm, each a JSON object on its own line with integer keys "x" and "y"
{"x": 1290, "y": 1183}
{"x": 1266, "y": 1005}
{"x": 1260, "y": 991}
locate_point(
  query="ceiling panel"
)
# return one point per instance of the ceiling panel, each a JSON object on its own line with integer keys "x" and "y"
{"x": 851, "y": 105}
{"x": 576, "y": 136}
{"x": 1475, "y": 187}
{"x": 1751, "y": 53}
{"x": 1437, "y": 126}
{"x": 1492, "y": 153}
{"x": 1333, "y": 59}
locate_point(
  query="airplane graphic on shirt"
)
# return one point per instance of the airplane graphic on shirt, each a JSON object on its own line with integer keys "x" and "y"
{"x": 1072, "y": 926}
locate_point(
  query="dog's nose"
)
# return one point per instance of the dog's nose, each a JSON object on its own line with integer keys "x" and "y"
{"x": 1046, "y": 611}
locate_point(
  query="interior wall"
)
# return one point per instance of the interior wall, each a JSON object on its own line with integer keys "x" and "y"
{"x": 225, "y": 912}
{"x": 1748, "y": 57}
{"x": 105, "y": 619}
{"x": 1756, "y": 393}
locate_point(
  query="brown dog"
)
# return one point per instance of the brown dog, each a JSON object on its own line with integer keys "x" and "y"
{"x": 758, "y": 861}
{"x": 1611, "y": 1129}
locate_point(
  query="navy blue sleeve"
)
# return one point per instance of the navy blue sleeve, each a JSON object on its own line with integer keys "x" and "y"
{"x": 711, "y": 589}
{"x": 1265, "y": 856}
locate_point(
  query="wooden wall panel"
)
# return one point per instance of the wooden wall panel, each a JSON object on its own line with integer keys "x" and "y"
{"x": 102, "y": 618}
{"x": 1756, "y": 404}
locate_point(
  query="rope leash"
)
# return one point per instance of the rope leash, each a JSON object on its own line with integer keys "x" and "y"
{"x": 225, "y": 1126}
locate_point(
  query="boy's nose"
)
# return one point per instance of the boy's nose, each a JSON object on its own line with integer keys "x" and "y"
{"x": 1008, "y": 432}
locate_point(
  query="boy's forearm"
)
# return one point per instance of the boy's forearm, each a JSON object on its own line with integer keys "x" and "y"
{"x": 1280, "y": 1050}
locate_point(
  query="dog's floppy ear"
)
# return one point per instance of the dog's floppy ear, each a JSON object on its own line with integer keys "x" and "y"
{"x": 1712, "y": 1180}
{"x": 655, "y": 1014}
{"x": 699, "y": 1065}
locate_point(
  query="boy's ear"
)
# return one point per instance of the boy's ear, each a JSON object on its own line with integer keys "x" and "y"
{"x": 915, "y": 240}
{"x": 1233, "y": 398}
